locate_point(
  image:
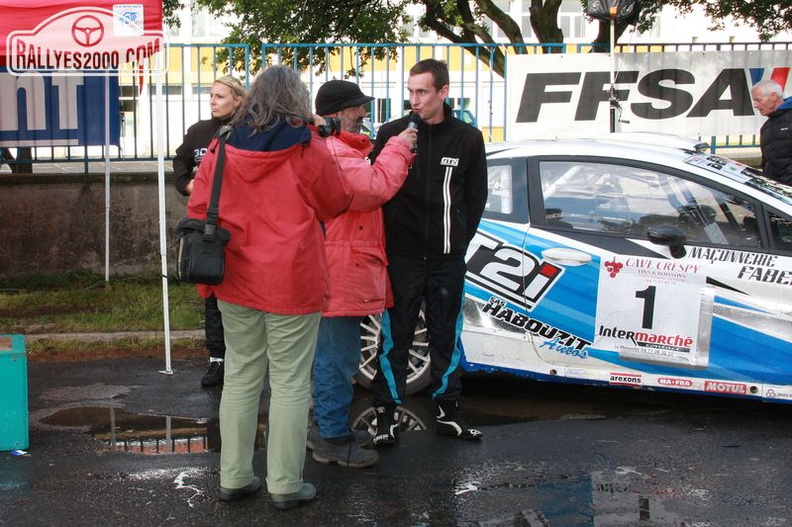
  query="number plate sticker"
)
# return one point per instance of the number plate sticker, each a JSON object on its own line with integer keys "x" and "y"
{"x": 654, "y": 310}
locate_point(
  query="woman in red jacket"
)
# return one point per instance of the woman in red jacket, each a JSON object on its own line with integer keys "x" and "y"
{"x": 279, "y": 183}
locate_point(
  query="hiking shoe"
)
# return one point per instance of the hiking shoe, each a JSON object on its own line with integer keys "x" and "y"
{"x": 387, "y": 426}
{"x": 214, "y": 374}
{"x": 237, "y": 494}
{"x": 347, "y": 455}
{"x": 449, "y": 422}
{"x": 288, "y": 501}
{"x": 362, "y": 437}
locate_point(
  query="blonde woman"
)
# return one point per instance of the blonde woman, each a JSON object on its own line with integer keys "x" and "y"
{"x": 224, "y": 98}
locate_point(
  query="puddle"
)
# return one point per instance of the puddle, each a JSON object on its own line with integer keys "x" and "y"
{"x": 163, "y": 434}
{"x": 147, "y": 434}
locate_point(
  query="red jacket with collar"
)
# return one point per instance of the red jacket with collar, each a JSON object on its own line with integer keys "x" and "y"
{"x": 275, "y": 191}
{"x": 356, "y": 239}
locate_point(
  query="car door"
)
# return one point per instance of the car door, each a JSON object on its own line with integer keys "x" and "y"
{"x": 527, "y": 304}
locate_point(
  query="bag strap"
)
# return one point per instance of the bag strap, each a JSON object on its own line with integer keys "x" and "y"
{"x": 214, "y": 202}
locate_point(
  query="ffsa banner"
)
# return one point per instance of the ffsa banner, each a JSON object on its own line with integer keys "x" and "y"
{"x": 45, "y": 110}
{"x": 694, "y": 94}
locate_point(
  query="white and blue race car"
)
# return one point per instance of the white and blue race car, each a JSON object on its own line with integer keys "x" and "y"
{"x": 616, "y": 262}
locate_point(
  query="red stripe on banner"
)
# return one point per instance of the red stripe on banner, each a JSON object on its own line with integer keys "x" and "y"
{"x": 780, "y": 75}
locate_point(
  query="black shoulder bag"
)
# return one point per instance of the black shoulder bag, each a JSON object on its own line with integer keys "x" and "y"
{"x": 201, "y": 258}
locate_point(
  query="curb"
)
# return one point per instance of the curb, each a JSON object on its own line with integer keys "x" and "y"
{"x": 109, "y": 337}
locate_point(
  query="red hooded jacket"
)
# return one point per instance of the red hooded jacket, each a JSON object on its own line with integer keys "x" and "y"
{"x": 278, "y": 185}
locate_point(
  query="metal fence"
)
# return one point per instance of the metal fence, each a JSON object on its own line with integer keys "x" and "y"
{"x": 478, "y": 86}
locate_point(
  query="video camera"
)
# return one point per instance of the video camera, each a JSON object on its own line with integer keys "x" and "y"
{"x": 332, "y": 126}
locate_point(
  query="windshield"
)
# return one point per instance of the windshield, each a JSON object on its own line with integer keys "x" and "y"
{"x": 742, "y": 173}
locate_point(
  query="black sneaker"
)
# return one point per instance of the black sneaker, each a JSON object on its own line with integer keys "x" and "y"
{"x": 387, "y": 426}
{"x": 449, "y": 422}
{"x": 214, "y": 374}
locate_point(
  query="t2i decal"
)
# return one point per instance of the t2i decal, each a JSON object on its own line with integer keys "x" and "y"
{"x": 508, "y": 271}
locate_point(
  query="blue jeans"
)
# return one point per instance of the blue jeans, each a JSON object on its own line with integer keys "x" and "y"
{"x": 336, "y": 361}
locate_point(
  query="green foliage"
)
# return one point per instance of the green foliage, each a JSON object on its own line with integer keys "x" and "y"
{"x": 768, "y": 18}
{"x": 280, "y": 21}
{"x": 81, "y": 301}
{"x": 259, "y": 22}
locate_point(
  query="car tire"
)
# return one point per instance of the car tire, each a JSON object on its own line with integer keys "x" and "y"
{"x": 412, "y": 417}
{"x": 419, "y": 368}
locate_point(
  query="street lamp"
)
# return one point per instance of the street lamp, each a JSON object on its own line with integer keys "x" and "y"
{"x": 613, "y": 11}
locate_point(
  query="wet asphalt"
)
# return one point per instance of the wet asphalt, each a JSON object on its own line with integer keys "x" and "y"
{"x": 114, "y": 442}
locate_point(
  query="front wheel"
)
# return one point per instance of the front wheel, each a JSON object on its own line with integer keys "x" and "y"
{"x": 418, "y": 363}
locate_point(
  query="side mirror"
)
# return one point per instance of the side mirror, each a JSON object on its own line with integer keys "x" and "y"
{"x": 668, "y": 235}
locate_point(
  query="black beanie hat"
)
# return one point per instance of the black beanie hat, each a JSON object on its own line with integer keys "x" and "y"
{"x": 333, "y": 96}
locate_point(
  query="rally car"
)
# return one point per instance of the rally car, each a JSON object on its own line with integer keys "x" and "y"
{"x": 626, "y": 262}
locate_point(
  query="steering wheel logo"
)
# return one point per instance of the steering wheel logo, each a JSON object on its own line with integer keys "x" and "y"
{"x": 87, "y": 31}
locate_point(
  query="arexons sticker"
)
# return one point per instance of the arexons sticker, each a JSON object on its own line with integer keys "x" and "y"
{"x": 625, "y": 379}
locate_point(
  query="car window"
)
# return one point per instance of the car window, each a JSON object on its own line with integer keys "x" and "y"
{"x": 500, "y": 195}
{"x": 627, "y": 200}
{"x": 507, "y": 191}
{"x": 781, "y": 229}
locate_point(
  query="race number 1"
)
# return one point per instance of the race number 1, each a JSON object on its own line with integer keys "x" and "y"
{"x": 654, "y": 310}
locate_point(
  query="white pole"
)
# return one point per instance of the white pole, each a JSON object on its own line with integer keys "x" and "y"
{"x": 613, "y": 70}
{"x": 162, "y": 221}
{"x": 107, "y": 176}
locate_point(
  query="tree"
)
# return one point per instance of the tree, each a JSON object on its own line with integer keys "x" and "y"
{"x": 768, "y": 17}
{"x": 458, "y": 21}
{"x": 376, "y": 21}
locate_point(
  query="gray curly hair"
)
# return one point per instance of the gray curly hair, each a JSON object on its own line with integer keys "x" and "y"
{"x": 277, "y": 93}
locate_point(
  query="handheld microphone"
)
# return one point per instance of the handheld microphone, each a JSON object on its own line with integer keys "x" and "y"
{"x": 412, "y": 124}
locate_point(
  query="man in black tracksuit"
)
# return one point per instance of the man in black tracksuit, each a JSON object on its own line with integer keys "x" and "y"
{"x": 428, "y": 226}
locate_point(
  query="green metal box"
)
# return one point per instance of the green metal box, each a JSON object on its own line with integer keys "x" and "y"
{"x": 13, "y": 393}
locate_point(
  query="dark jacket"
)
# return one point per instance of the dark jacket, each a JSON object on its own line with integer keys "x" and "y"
{"x": 437, "y": 211}
{"x": 191, "y": 151}
{"x": 776, "y": 141}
